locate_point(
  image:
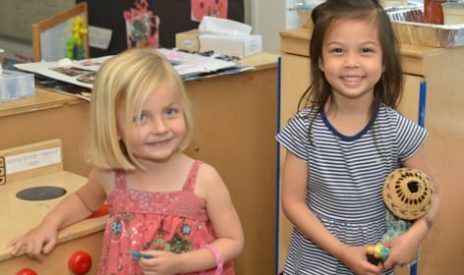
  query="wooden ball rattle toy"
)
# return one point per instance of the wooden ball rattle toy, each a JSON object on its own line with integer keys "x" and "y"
{"x": 407, "y": 193}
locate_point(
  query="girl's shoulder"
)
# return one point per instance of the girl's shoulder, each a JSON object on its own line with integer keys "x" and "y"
{"x": 207, "y": 173}
{"x": 308, "y": 110}
{"x": 306, "y": 113}
{"x": 208, "y": 179}
{"x": 204, "y": 172}
{"x": 103, "y": 177}
{"x": 388, "y": 110}
{"x": 392, "y": 114}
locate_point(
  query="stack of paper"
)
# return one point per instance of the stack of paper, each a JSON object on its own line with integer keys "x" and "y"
{"x": 82, "y": 73}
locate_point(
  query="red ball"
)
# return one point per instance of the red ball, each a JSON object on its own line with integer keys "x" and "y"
{"x": 80, "y": 262}
{"x": 26, "y": 271}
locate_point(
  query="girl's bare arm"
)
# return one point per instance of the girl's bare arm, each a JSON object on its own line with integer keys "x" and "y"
{"x": 42, "y": 239}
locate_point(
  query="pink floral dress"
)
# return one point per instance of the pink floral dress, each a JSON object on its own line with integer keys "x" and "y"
{"x": 138, "y": 220}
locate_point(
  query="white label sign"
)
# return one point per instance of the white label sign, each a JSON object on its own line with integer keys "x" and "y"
{"x": 99, "y": 38}
{"x": 32, "y": 160}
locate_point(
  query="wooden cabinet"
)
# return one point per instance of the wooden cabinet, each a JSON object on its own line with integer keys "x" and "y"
{"x": 47, "y": 115}
{"x": 235, "y": 125}
{"x": 442, "y": 69}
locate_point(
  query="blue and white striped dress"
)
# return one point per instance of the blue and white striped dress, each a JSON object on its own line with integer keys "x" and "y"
{"x": 345, "y": 180}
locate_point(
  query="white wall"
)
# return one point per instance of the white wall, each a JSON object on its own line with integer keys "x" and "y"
{"x": 269, "y": 17}
{"x": 16, "y": 18}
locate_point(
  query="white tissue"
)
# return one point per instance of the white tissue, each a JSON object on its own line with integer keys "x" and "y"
{"x": 220, "y": 26}
{"x": 228, "y": 37}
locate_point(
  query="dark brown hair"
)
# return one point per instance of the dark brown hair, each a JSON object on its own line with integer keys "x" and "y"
{"x": 388, "y": 89}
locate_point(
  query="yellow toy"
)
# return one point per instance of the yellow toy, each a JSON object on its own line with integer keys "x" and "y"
{"x": 75, "y": 44}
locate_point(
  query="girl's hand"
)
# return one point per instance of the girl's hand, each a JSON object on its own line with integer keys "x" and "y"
{"x": 354, "y": 257}
{"x": 162, "y": 263}
{"x": 38, "y": 242}
{"x": 403, "y": 250}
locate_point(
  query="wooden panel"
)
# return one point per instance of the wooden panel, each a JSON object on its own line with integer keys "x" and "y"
{"x": 443, "y": 249}
{"x": 49, "y": 115}
{"x": 235, "y": 124}
{"x": 293, "y": 86}
{"x": 295, "y": 41}
{"x": 409, "y": 105}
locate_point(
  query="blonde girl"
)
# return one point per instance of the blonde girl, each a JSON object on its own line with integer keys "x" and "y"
{"x": 168, "y": 213}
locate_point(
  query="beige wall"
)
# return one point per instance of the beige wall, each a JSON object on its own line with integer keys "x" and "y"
{"x": 16, "y": 18}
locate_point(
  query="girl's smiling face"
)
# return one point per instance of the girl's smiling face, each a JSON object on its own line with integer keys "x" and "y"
{"x": 159, "y": 129}
{"x": 352, "y": 58}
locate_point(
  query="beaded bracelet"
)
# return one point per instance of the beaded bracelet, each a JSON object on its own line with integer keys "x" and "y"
{"x": 217, "y": 256}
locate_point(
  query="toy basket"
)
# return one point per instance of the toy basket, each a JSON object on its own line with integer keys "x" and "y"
{"x": 407, "y": 193}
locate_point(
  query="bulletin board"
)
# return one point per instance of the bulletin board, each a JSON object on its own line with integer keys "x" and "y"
{"x": 167, "y": 17}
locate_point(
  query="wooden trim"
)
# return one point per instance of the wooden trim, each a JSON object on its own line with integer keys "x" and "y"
{"x": 39, "y": 27}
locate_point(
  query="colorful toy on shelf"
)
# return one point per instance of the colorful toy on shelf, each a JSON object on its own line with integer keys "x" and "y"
{"x": 407, "y": 193}
{"x": 75, "y": 49}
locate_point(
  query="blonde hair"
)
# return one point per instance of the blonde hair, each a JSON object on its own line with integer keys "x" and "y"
{"x": 123, "y": 83}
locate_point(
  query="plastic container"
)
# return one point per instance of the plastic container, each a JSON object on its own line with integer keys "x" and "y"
{"x": 453, "y": 13}
{"x": 14, "y": 84}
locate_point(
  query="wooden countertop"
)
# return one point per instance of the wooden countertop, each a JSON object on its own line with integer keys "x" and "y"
{"x": 261, "y": 61}
{"x": 19, "y": 216}
{"x": 43, "y": 99}
{"x": 46, "y": 99}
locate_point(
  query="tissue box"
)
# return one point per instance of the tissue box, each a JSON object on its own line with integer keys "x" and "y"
{"x": 15, "y": 84}
{"x": 188, "y": 41}
{"x": 235, "y": 45}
